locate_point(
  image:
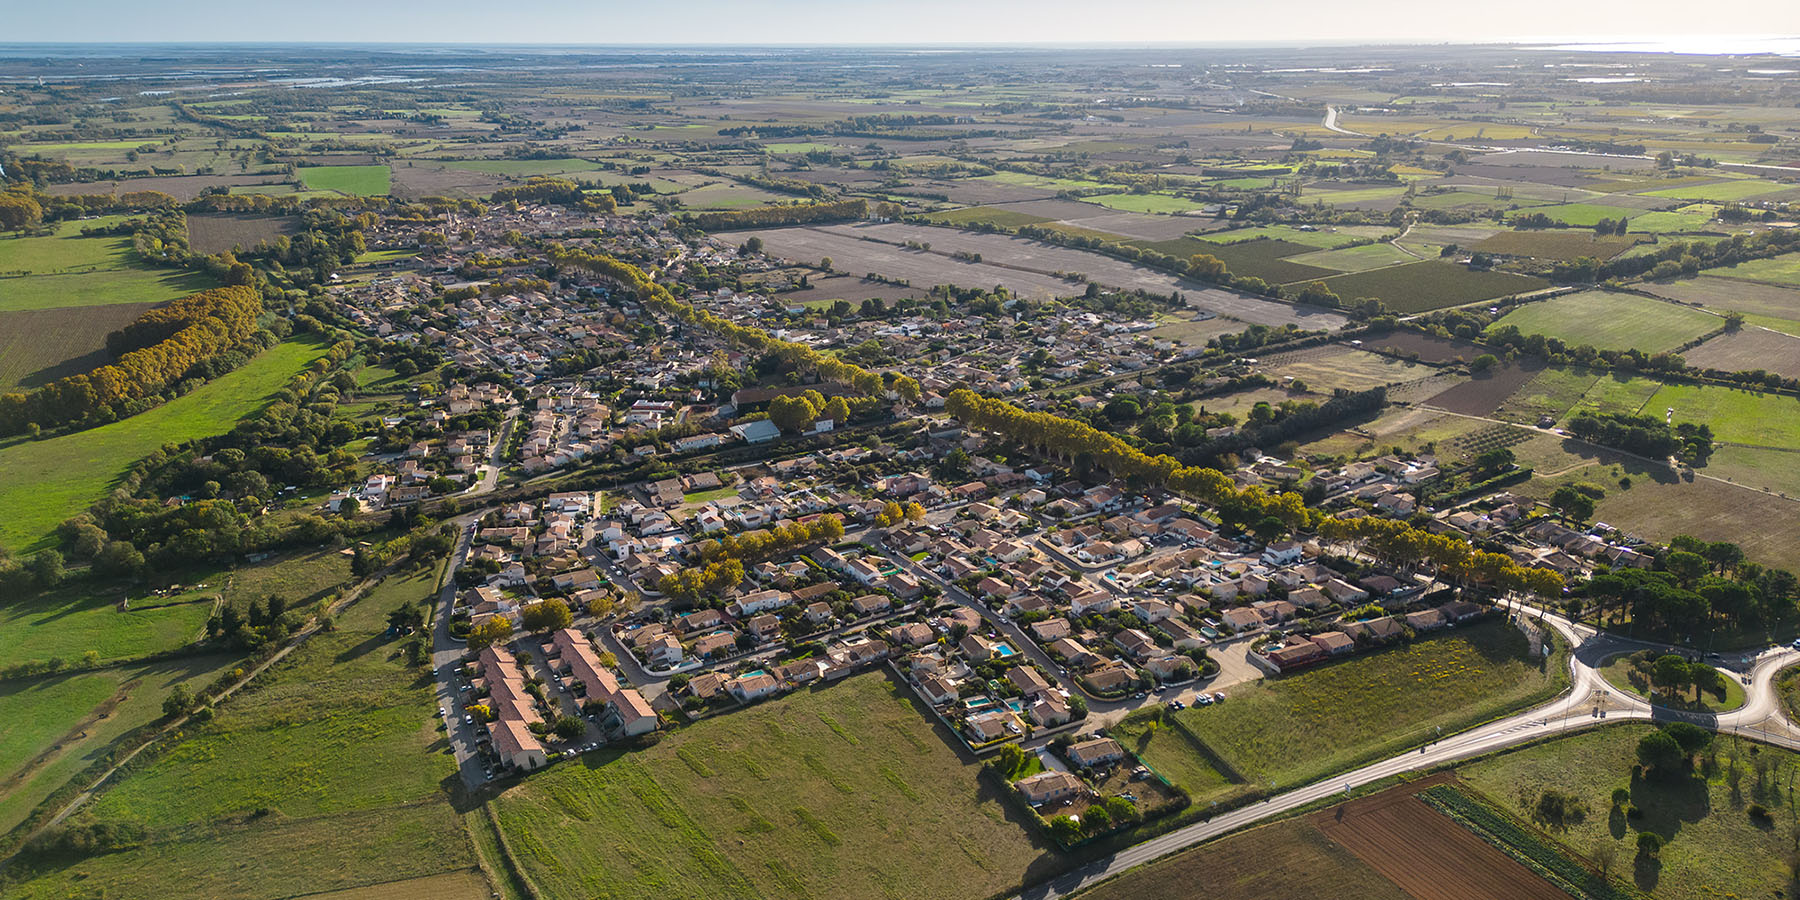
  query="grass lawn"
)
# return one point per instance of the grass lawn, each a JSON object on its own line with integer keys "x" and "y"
{"x": 1737, "y": 416}
{"x": 1303, "y": 727}
{"x": 1612, "y": 321}
{"x": 1354, "y": 196}
{"x": 49, "y": 480}
{"x": 1174, "y": 756}
{"x": 59, "y": 725}
{"x": 1279, "y": 861}
{"x": 1622, "y": 675}
{"x": 790, "y": 798}
{"x": 718, "y": 493}
{"x": 360, "y": 181}
{"x": 1783, "y": 270}
{"x": 1713, "y": 849}
{"x": 1354, "y": 370}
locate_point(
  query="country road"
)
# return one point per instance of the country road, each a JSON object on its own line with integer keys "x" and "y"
{"x": 1590, "y": 701}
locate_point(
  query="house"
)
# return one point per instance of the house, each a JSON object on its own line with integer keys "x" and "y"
{"x": 818, "y": 612}
{"x": 987, "y": 727}
{"x": 1281, "y": 553}
{"x": 1028, "y": 680}
{"x": 517, "y": 746}
{"x": 699, "y": 621}
{"x": 979, "y": 649}
{"x": 663, "y": 651}
{"x": 1093, "y": 601}
{"x": 765, "y": 626}
{"x": 584, "y": 665}
{"x": 912, "y": 634}
{"x": 1183, "y": 634}
{"x": 757, "y": 432}
{"x": 1049, "y": 710}
{"x": 799, "y": 671}
{"x": 1386, "y": 628}
{"x": 1050, "y": 787}
{"x": 719, "y": 643}
{"x": 1460, "y": 610}
{"x": 1095, "y": 752}
{"x": 1334, "y": 643}
{"x": 761, "y": 602}
{"x": 1242, "y": 619}
{"x": 1137, "y": 644}
{"x": 1073, "y": 652}
{"x": 1426, "y": 620}
{"x": 1293, "y": 656}
{"x": 869, "y": 604}
{"x": 937, "y": 691}
{"x": 629, "y": 714}
{"x": 1049, "y": 630}
{"x": 753, "y": 686}
{"x": 706, "y": 685}
{"x": 1111, "y": 678}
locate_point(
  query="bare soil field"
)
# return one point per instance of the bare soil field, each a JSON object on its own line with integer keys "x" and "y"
{"x": 1566, "y": 245}
{"x": 219, "y": 233}
{"x": 413, "y": 182}
{"x": 38, "y": 346}
{"x": 852, "y": 288}
{"x": 1427, "y": 348}
{"x": 1019, "y": 264}
{"x": 1552, "y": 175}
{"x": 1482, "y": 394}
{"x": 1749, "y": 349}
{"x": 448, "y": 886}
{"x": 181, "y": 187}
{"x": 975, "y": 193}
{"x": 1280, "y": 861}
{"x": 1426, "y": 853}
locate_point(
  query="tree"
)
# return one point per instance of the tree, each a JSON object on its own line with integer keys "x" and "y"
{"x": 1483, "y": 363}
{"x": 1660, "y": 752}
{"x": 495, "y": 630}
{"x": 570, "y": 727}
{"x": 1605, "y": 855}
{"x": 405, "y": 616}
{"x": 46, "y": 568}
{"x": 179, "y": 701}
{"x": 1670, "y": 672}
{"x": 1649, "y": 844}
{"x": 1572, "y": 503}
{"x": 1010, "y": 760}
{"x": 546, "y": 615}
{"x": 1690, "y": 737}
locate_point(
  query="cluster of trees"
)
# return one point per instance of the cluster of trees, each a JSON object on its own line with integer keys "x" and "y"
{"x": 264, "y": 622}
{"x": 1695, "y": 585}
{"x": 187, "y": 332}
{"x": 493, "y": 630}
{"x": 692, "y": 582}
{"x": 1645, "y": 436}
{"x": 1674, "y": 673}
{"x": 1669, "y": 751}
{"x": 546, "y": 615}
{"x": 797, "y": 412}
{"x": 794, "y": 355}
{"x": 558, "y": 191}
{"x": 766, "y": 542}
{"x": 1400, "y": 544}
{"x": 893, "y": 512}
{"x": 769, "y": 216}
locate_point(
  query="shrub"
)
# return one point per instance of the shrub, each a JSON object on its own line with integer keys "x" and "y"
{"x": 1621, "y": 796}
{"x": 1649, "y": 844}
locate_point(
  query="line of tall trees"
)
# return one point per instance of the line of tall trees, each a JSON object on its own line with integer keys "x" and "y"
{"x": 794, "y": 355}
{"x": 560, "y": 191}
{"x": 1400, "y": 544}
{"x": 189, "y": 331}
{"x": 1645, "y": 435}
{"x": 769, "y": 216}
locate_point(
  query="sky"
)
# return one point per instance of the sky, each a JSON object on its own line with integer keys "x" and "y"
{"x": 886, "y": 21}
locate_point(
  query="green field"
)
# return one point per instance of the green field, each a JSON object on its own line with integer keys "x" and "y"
{"x": 1354, "y": 197}
{"x": 49, "y": 480}
{"x": 1021, "y": 179}
{"x": 67, "y": 622}
{"x": 798, "y": 147}
{"x": 1564, "y": 244}
{"x": 1720, "y": 191}
{"x": 1161, "y": 204}
{"x": 1737, "y": 416}
{"x": 1620, "y": 673}
{"x": 786, "y": 799}
{"x": 1303, "y": 727}
{"x": 1320, "y": 239}
{"x": 985, "y": 215}
{"x": 65, "y": 269}
{"x": 1266, "y": 259}
{"x": 1433, "y": 284}
{"x": 358, "y": 181}
{"x": 1583, "y": 215}
{"x": 1783, "y": 270}
{"x": 1608, "y": 320}
{"x": 1174, "y": 756}
{"x": 1713, "y": 849}
{"x": 1551, "y": 392}
{"x": 324, "y": 774}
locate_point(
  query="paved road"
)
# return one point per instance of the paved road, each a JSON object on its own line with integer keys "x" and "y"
{"x": 1330, "y": 123}
{"x": 488, "y": 474}
{"x": 446, "y": 657}
{"x": 1590, "y": 701}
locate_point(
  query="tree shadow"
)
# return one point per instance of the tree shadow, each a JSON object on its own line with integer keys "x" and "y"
{"x": 368, "y": 644}
{"x": 1615, "y": 823}
{"x": 1646, "y": 871}
{"x": 1667, "y": 804}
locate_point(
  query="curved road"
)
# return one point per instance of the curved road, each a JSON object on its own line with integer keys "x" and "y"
{"x": 1590, "y": 701}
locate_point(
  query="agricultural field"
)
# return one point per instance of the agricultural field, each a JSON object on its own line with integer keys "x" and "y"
{"x": 1424, "y": 286}
{"x": 1551, "y": 392}
{"x": 1609, "y": 320}
{"x": 1303, "y": 727}
{"x": 1749, "y": 349}
{"x": 1586, "y": 215}
{"x": 332, "y": 759}
{"x": 65, "y": 269}
{"x": 524, "y": 168}
{"x": 1263, "y": 258}
{"x": 1736, "y": 416}
{"x": 1279, "y": 861}
{"x": 1712, "y": 846}
{"x": 1762, "y": 304}
{"x": 1781, "y": 270}
{"x": 780, "y": 800}
{"x": 1160, "y": 204}
{"x": 38, "y": 346}
{"x": 1320, "y": 238}
{"x": 54, "y": 478}
{"x": 1557, "y": 245}
{"x": 1355, "y": 259}
{"x": 1720, "y": 191}
{"x": 1659, "y": 506}
{"x": 1353, "y": 370}
{"x": 219, "y": 233}
{"x": 986, "y": 215}
{"x": 355, "y": 181}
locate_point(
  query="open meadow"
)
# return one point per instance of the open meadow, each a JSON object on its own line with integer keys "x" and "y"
{"x": 1713, "y": 847}
{"x": 1303, "y": 727}
{"x": 66, "y": 269}
{"x": 1608, "y": 320}
{"x": 784, "y": 799}
{"x": 355, "y": 181}
{"x": 51, "y": 479}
